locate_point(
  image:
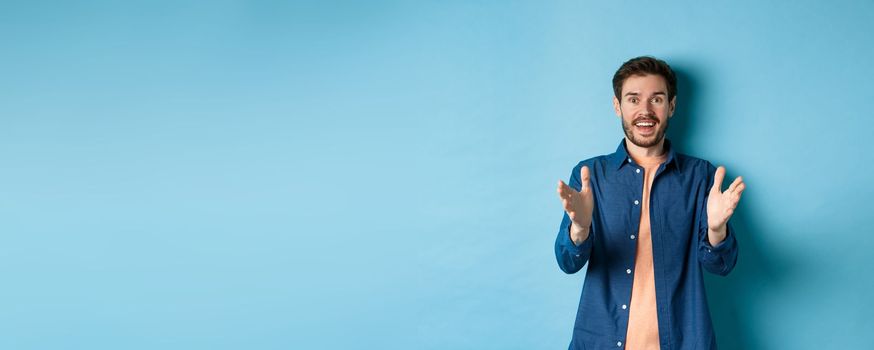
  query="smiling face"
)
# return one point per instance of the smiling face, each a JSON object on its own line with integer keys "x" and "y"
{"x": 644, "y": 109}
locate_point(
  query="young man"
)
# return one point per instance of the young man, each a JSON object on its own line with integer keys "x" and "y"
{"x": 647, "y": 220}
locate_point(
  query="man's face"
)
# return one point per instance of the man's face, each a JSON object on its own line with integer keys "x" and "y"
{"x": 644, "y": 109}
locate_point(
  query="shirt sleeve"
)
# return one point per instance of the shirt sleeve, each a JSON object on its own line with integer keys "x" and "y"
{"x": 571, "y": 257}
{"x": 719, "y": 259}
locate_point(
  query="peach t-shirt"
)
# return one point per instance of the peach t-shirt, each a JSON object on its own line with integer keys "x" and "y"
{"x": 643, "y": 322}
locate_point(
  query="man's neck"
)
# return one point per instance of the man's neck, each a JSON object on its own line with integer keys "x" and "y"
{"x": 637, "y": 152}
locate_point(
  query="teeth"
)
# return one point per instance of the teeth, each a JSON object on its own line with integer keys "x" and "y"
{"x": 645, "y": 124}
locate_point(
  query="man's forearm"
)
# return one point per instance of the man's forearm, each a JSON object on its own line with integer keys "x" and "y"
{"x": 579, "y": 234}
{"x": 715, "y": 236}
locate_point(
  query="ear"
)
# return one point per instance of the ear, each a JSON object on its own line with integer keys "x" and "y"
{"x": 616, "y": 108}
{"x": 673, "y": 106}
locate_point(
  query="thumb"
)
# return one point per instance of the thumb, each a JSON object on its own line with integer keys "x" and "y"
{"x": 717, "y": 179}
{"x": 584, "y": 178}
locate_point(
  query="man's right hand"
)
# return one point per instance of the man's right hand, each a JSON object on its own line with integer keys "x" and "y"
{"x": 578, "y": 206}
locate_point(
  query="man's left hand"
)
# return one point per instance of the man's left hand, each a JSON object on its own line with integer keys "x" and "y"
{"x": 721, "y": 205}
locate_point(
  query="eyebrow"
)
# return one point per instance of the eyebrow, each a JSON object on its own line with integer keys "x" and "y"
{"x": 631, "y": 93}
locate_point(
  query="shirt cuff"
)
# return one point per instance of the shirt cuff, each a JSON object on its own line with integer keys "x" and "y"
{"x": 720, "y": 253}
{"x": 574, "y": 249}
{"x": 723, "y": 246}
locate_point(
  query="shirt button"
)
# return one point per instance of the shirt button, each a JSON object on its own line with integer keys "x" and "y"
{"x": 619, "y": 343}
{"x": 628, "y": 271}
{"x": 636, "y": 202}
{"x": 632, "y": 236}
{"x": 637, "y": 171}
{"x": 624, "y": 306}
{"x": 629, "y": 160}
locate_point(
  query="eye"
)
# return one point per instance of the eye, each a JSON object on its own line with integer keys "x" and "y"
{"x": 632, "y": 99}
{"x": 657, "y": 99}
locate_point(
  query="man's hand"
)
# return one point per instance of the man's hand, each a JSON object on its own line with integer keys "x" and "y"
{"x": 578, "y": 206}
{"x": 720, "y": 206}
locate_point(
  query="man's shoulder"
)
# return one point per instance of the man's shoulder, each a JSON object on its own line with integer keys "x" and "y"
{"x": 593, "y": 162}
{"x": 694, "y": 164}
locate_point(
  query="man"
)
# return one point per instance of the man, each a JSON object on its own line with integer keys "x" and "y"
{"x": 647, "y": 220}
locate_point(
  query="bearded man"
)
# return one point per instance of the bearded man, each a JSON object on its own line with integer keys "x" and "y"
{"x": 648, "y": 221}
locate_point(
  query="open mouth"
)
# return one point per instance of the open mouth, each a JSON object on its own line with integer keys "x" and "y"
{"x": 645, "y": 126}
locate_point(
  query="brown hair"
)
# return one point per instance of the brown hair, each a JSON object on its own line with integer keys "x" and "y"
{"x": 644, "y": 65}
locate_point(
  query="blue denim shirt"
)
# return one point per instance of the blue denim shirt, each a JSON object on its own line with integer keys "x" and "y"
{"x": 681, "y": 250}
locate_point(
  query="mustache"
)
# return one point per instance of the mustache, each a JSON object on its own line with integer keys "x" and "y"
{"x": 645, "y": 119}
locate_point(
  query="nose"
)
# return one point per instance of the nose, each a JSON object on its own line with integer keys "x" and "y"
{"x": 647, "y": 110}
{"x": 650, "y": 109}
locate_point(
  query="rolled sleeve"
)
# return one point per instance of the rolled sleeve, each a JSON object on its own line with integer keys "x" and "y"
{"x": 719, "y": 259}
{"x": 571, "y": 257}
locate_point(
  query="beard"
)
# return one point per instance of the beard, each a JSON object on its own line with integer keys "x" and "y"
{"x": 646, "y": 142}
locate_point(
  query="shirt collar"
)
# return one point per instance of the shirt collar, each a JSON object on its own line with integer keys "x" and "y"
{"x": 620, "y": 157}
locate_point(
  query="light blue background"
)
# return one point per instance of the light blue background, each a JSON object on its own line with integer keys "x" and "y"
{"x": 331, "y": 175}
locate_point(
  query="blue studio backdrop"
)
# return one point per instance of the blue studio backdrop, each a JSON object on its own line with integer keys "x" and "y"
{"x": 381, "y": 174}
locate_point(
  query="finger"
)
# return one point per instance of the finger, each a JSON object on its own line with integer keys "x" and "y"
{"x": 740, "y": 188}
{"x": 737, "y": 191}
{"x": 717, "y": 179}
{"x": 564, "y": 190}
{"x": 734, "y": 197}
{"x": 567, "y": 208}
{"x": 735, "y": 183}
{"x": 584, "y": 178}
